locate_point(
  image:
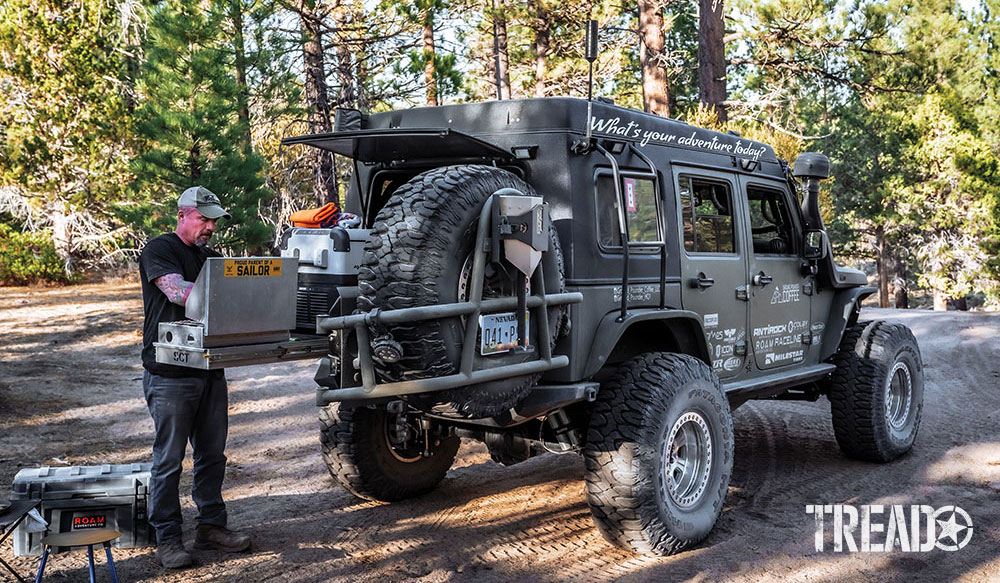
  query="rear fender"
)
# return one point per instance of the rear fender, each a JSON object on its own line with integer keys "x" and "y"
{"x": 643, "y": 331}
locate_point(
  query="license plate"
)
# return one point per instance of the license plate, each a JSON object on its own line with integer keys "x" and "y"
{"x": 498, "y": 332}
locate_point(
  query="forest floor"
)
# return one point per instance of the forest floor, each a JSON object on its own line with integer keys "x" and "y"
{"x": 70, "y": 394}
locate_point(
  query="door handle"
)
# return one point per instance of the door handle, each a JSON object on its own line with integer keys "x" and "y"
{"x": 702, "y": 281}
{"x": 762, "y": 279}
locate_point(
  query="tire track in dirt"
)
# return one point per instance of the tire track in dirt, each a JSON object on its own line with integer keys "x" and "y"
{"x": 801, "y": 452}
{"x": 966, "y": 370}
{"x": 545, "y": 523}
{"x": 755, "y": 443}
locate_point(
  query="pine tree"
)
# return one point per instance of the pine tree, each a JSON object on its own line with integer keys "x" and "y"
{"x": 953, "y": 201}
{"x": 317, "y": 100}
{"x": 64, "y": 125}
{"x": 191, "y": 120}
{"x": 440, "y": 75}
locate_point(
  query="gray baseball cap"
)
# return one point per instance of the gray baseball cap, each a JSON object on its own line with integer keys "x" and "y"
{"x": 204, "y": 200}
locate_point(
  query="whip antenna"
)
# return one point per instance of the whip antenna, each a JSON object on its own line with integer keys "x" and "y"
{"x": 591, "y": 56}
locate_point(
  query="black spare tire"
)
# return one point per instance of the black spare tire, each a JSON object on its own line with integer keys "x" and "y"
{"x": 420, "y": 254}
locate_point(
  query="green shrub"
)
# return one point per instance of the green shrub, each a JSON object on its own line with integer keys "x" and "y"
{"x": 28, "y": 258}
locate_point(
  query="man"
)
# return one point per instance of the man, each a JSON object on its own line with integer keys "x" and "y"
{"x": 186, "y": 403}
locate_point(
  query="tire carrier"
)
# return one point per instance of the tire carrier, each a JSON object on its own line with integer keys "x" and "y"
{"x": 493, "y": 226}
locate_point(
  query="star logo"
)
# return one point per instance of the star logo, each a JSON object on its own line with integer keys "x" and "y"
{"x": 957, "y": 527}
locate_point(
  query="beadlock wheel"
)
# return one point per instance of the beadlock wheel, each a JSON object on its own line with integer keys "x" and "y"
{"x": 687, "y": 460}
{"x": 899, "y": 395}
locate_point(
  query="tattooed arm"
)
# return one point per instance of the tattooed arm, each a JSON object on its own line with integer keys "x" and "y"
{"x": 174, "y": 287}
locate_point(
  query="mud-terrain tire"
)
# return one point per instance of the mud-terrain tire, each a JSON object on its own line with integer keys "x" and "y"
{"x": 659, "y": 454}
{"x": 421, "y": 245}
{"x": 358, "y": 455}
{"x": 877, "y": 392}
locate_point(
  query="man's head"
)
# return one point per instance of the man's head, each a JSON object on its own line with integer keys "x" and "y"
{"x": 198, "y": 209}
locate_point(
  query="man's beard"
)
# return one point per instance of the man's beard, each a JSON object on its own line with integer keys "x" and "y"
{"x": 201, "y": 241}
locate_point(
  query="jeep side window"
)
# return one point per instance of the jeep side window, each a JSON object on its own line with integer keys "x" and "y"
{"x": 608, "y": 234}
{"x": 770, "y": 222}
{"x": 641, "y": 218}
{"x": 707, "y": 208}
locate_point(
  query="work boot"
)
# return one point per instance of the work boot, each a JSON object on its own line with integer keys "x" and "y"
{"x": 210, "y": 536}
{"x": 172, "y": 555}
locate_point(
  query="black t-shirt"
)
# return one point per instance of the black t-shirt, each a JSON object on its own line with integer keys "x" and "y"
{"x": 166, "y": 254}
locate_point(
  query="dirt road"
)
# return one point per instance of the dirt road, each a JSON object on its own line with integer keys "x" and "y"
{"x": 70, "y": 393}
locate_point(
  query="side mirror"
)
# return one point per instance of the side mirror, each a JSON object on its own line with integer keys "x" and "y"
{"x": 817, "y": 244}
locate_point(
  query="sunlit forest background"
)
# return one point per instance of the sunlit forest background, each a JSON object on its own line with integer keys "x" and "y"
{"x": 109, "y": 108}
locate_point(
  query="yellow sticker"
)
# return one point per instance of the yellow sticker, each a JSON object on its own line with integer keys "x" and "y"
{"x": 252, "y": 268}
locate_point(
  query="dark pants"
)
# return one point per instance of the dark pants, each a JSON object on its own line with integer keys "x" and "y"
{"x": 183, "y": 409}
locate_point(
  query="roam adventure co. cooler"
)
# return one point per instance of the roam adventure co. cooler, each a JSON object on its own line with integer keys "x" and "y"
{"x": 85, "y": 497}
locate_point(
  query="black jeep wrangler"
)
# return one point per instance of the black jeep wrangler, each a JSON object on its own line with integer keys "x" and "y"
{"x": 565, "y": 275}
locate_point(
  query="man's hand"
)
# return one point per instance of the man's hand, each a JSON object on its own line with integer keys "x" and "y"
{"x": 174, "y": 287}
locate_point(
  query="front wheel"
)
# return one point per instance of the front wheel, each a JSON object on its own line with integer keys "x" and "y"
{"x": 877, "y": 392}
{"x": 659, "y": 454}
{"x": 378, "y": 455}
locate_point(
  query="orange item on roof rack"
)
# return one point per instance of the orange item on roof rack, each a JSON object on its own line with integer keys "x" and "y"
{"x": 315, "y": 218}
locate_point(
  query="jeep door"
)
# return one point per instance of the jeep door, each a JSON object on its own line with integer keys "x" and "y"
{"x": 710, "y": 219}
{"x": 779, "y": 292}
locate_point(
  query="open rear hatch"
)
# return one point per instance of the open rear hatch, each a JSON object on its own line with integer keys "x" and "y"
{"x": 392, "y": 144}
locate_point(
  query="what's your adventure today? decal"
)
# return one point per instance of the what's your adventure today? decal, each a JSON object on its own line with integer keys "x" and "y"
{"x": 634, "y": 130}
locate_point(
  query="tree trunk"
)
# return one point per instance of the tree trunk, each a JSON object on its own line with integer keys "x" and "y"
{"x": 132, "y": 69}
{"x": 361, "y": 61}
{"x": 61, "y": 237}
{"x": 882, "y": 267}
{"x": 317, "y": 100}
{"x": 501, "y": 57}
{"x": 194, "y": 162}
{"x": 712, "y": 57}
{"x": 430, "y": 78}
{"x": 542, "y": 44}
{"x": 345, "y": 70}
{"x": 940, "y": 301}
{"x": 900, "y": 299}
{"x": 655, "y": 85}
{"x": 240, "y": 63}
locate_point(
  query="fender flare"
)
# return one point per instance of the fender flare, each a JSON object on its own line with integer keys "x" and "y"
{"x": 610, "y": 332}
{"x": 843, "y": 312}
